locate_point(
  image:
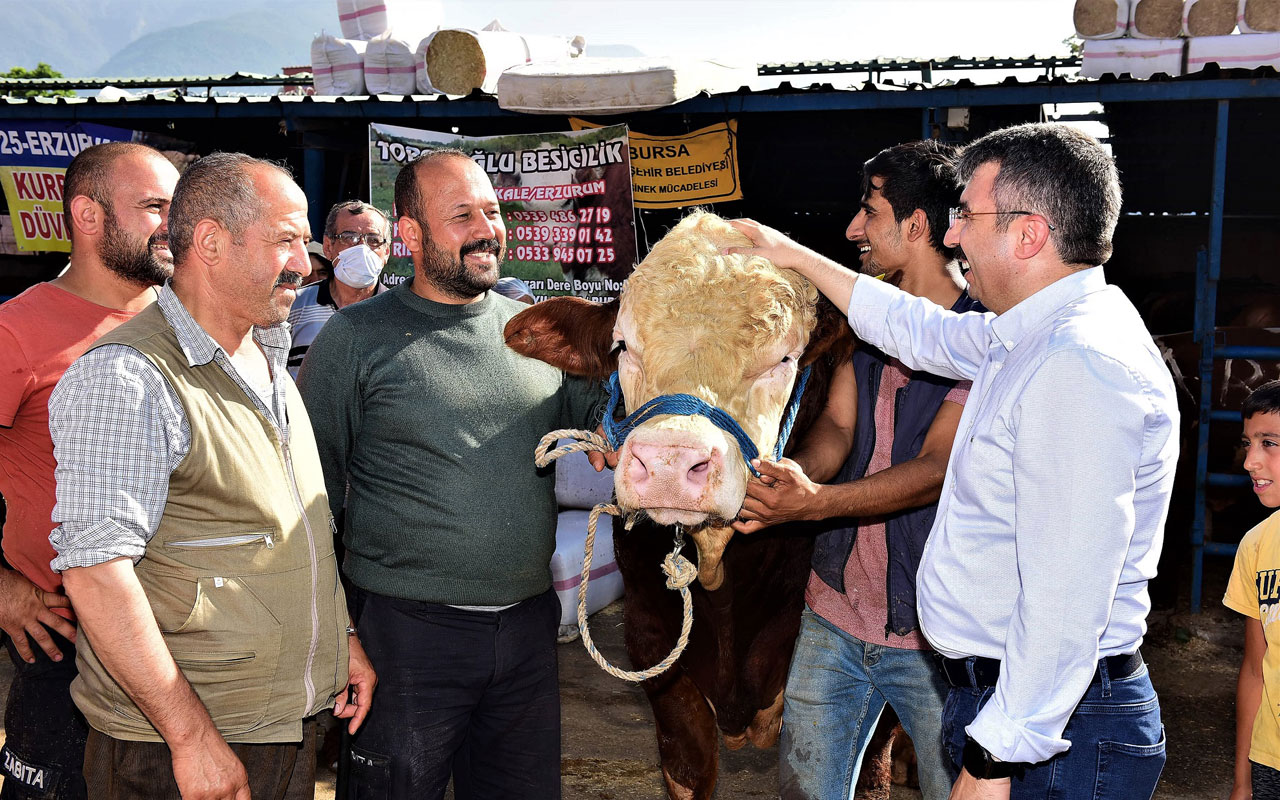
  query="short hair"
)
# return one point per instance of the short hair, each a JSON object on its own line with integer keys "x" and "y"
{"x": 408, "y": 198}
{"x": 1263, "y": 400}
{"x": 354, "y": 207}
{"x": 1060, "y": 173}
{"x": 918, "y": 175}
{"x": 219, "y": 187}
{"x": 90, "y": 174}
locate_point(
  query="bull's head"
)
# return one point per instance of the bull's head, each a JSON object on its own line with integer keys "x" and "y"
{"x": 733, "y": 331}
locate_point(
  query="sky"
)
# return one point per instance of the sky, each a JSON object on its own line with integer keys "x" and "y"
{"x": 795, "y": 30}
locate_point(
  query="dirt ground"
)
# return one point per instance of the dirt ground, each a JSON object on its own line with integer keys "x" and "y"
{"x": 609, "y": 751}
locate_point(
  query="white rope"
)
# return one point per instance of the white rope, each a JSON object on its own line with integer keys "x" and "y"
{"x": 679, "y": 570}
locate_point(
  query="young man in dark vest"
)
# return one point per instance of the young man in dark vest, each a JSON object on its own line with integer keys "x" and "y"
{"x": 860, "y": 646}
{"x": 194, "y": 534}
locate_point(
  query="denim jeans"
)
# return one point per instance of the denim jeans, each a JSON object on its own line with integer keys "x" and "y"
{"x": 1117, "y": 742}
{"x": 837, "y": 687}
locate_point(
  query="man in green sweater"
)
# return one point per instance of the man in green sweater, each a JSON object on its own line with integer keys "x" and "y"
{"x": 427, "y": 424}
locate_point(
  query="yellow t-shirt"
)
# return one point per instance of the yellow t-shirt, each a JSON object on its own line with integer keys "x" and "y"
{"x": 1254, "y": 590}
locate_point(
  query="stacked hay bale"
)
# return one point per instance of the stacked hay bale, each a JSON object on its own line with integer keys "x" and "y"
{"x": 1142, "y": 38}
{"x": 398, "y": 47}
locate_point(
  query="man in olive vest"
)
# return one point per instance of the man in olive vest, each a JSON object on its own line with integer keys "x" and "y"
{"x": 194, "y": 536}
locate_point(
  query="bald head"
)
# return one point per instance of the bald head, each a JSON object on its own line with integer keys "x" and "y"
{"x": 92, "y": 174}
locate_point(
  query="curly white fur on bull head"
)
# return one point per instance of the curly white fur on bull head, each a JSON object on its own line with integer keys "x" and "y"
{"x": 726, "y": 329}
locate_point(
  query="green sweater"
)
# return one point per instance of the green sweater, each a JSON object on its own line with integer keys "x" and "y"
{"x": 427, "y": 422}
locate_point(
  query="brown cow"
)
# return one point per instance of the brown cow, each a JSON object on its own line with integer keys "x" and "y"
{"x": 735, "y": 332}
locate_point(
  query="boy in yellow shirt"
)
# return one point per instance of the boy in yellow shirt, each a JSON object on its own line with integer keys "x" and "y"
{"x": 1254, "y": 590}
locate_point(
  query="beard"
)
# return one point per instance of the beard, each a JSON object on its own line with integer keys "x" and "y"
{"x": 449, "y": 273}
{"x": 132, "y": 259}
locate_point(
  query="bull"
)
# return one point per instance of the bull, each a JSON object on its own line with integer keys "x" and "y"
{"x": 737, "y": 333}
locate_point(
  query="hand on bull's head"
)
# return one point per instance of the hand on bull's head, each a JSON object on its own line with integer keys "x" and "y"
{"x": 733, "y": 331}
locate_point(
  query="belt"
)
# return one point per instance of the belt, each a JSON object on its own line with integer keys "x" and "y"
{"x": 987, "y": 670}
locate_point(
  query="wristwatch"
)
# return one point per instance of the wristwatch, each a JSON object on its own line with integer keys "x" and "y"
{"x": 983, "y": 766}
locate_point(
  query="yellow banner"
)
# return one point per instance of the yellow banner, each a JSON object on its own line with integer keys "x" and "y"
{"x": 34, "y": 195}
{"x": 683, "y": 170}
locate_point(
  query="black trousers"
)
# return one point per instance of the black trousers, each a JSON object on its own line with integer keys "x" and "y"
{"x": 44, "y": 731}
{"x": 470, "y": 694}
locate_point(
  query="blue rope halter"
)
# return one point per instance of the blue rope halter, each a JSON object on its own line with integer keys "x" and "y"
{"x": 687, "y": 405}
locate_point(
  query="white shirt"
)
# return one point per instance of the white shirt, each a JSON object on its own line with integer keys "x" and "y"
{"x": 1052, "y": 511}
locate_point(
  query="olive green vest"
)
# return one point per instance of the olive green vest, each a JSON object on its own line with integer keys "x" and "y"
{"x": 241, "y": 573}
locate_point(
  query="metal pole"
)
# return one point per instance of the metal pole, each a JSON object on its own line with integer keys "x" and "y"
{"x": 1208, "y": 271}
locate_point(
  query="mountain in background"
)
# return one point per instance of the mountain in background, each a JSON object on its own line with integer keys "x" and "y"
{"x": 141, "y": 38}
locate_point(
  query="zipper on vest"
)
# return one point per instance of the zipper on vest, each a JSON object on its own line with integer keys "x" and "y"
{"x": 307, "y": 682}
{"x": 229, "y": 541}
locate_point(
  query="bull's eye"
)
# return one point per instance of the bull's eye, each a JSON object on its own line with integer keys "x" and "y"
{"x": 619, "y": 346}
{"x": 786, "y": 359}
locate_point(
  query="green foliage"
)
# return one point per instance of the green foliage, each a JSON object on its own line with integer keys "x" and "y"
{"x": 1074, "y": 45}
{"x": 42, "y": 70}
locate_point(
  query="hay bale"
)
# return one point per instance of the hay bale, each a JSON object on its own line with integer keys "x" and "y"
{"x": 389, "y": 65}
{"x": 1101, "y": 19}
{"x": 1156, "y": 19}
{"x": 1209, "y": 17}
{"x": 460, "y": 61}
{"x": 1259, "y": 16}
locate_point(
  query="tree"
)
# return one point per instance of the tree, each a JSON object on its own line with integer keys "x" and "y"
{"x": 42, "y": 70}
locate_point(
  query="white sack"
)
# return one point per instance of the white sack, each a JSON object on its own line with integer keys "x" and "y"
{"x": 605, "y": 585}
{"x": 412, "y": 19}
{"x": 390, "y": 65}
{"x": 1259, "y": 16}
{"x": 614, "y": 85}
{"x": 578, "y": 485}
{"x": 1234, "y": 52}
{"x": 1209, "y": 17}
{"x": 1102, "y": 19}
{"x": 338, "y": 66}
{"x": 1156, "y": 19}
{"x": 1140, "y": 58}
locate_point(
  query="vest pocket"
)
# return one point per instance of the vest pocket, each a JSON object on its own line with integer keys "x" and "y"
{"x": 265, "y": 538}
{"x": 228, "y": 647}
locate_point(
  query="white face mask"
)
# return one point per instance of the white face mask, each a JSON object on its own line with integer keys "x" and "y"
{"x": 358, "y": 267}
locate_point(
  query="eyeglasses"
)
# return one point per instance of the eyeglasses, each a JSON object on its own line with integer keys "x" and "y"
{"x": 373, "y": 240}
{"x": 954, "y": 215}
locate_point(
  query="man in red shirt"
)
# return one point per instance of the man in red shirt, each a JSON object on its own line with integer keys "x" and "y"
{"x": 116, "y": 201}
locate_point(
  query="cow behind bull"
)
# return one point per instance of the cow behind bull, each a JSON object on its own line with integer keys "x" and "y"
{"x": 735, "y": 332}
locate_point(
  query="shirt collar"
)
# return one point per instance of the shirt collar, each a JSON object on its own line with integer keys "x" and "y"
{"x": 1015, "y": 324}
{"x": 200, "y": 348}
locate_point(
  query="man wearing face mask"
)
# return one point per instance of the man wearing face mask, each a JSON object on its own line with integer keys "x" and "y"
{"x": 357, "y": 240}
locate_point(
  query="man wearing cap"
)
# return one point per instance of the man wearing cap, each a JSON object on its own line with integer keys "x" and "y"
{"x": 357, "y": 240}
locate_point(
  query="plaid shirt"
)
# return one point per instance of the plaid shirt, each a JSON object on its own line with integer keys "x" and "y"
{"x": 119, "y": 430}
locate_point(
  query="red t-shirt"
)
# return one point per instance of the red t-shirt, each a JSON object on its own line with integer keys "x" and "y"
{"x": 42, "y": 331}
{"x": 863, "y": 609}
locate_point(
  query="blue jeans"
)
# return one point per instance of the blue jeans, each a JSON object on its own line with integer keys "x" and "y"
{"x": 837, "y": 687}
{"x": 1117, "y": 742}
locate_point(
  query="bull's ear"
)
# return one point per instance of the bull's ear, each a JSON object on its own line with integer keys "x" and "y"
{"x": 573, "y": 334}
{"x": 832, "y": 337}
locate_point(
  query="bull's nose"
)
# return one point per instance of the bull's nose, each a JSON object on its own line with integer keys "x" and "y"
{"x": 676, "y": 473}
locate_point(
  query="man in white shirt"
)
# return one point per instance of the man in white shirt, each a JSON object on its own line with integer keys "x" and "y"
{"x": 1033, "y": 584}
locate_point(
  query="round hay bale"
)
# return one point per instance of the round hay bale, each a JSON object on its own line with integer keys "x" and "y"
{"x": 1096, "y": 19}
{"x": 1209, "y": 17}
{"x": 1261, "y": 16}
{"x": 455, "y": 62}
{"x": 1157, "y": 19}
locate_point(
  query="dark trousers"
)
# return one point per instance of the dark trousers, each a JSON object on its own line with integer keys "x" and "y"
{"x": 115, "y": 769}
{"x": 44, "y": 731}
{"x": 468, "y": 693}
